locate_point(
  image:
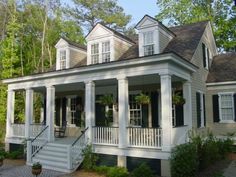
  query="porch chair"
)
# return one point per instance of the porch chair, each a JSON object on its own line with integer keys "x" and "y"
{"x": 59, "y": 132}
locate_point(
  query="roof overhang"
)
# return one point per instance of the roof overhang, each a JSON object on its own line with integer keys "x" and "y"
{"x": 94, "y": 70}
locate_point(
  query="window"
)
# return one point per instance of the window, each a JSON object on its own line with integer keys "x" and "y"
{"x": 72, "y": 110}
{"x": 148, "y": 43}
{"x": 135, "y": 111}
{"x": 63, "y": 59}
{"x": 205, "y": 53}
{"x": 94, "y": 53}
{"x": 200, "y": 102}
{"x": 106, "y": 51}
{"x": 226, "y": 107}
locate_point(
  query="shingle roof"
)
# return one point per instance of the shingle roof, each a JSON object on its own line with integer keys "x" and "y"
{"x": 223, "y": 68}
{"x": 187, "y": 39}
{"x": 81, "y": 46}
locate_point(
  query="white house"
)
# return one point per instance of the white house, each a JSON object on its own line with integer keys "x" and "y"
{"x": 162, "y": 62}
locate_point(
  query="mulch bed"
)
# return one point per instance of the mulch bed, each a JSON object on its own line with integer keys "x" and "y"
{"x": 215, "y": 170}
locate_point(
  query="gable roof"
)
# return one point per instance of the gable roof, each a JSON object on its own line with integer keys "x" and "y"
{"x": 187, "y": 39}
{"x": 81, "y": 46}
{"x": 223, "y": 68}
{"x": 113, "y": 31}
{"x": 158, "y": 22}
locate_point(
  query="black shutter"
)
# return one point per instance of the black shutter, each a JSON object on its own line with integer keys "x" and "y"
{"x": 204, "y": 55}
{"x": 78, "y": 111}
{"x": 179, "y": 111}
{"x": 57, "y": 107}
{"x": 44, "y": 110}
{"x": 198, "y": 103}
{"x": 208, "y": 58}
{"x": 154, "y": 106}
{"x": 235, "y": 107}
{"x": 64, "y": 111}
{"x": 145, "y": 115}
{"x": 204, "y": 109}
{"x": 215, "y": 103}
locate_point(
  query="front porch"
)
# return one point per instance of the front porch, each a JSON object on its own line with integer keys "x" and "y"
{"x": 131, "y": 127}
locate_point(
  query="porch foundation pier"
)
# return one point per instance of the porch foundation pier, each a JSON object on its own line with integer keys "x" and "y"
{"x": 28, "y": 117}
{"x": 90, "y": 109}
{"x": 121, "y": 161}
{"x": 166, "y": 113}
{"x": 50, "y": 107}
{"x": 10, "y": 111}
{"x": 187, "y": 93}
{"x": 123, "y": 99}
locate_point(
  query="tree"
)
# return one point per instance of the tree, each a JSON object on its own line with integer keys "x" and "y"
{"x": 88, "y": 13}
{"x": 222, "y": 15}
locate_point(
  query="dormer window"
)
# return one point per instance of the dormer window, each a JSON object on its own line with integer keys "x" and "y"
{"x": 63, "y": 59}
{"x": 148, "y": 43}
{"x": 106, "y": 51}
{"x": 95, "y": 53}
{"x": 206, "y": 54}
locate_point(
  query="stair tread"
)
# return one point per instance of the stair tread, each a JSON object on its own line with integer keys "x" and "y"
{"x": 51, "y": 158}
{"x": 50, "y": 163}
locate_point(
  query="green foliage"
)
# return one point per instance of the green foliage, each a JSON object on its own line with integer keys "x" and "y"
{"x": 222, "y": 15}
{"x": 198, "y": 154}
{"x": 112, "y": 171}
{"x": 143, "y": 170}
{"x": 184, "y": 161}
{"x": 90, "y": 158}
{"x": 36, "y": 165}
{"x": 106, "y": 100}
{"x": 18, "y": 154}
{"x": 142, "y": 99}
{"x": 177, "y": 99}
{"x": 88, "y": 13}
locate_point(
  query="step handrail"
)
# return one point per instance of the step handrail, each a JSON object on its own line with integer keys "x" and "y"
{"x": 39, "y": 134}
{"x": 77, "y": 139}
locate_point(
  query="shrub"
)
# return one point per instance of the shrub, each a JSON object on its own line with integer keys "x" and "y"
{"x": 36, "y": 165}
{"x": 142, "y": 170}
{"x": 112, "y": 171}
{"x": 90, "y": 158}
{"x": 184, "y": 161}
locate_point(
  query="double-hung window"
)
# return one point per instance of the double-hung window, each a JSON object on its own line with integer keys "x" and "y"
{"x": 148, "y": 43}
{"x": 226, "y": 107}
{"x": 62, "y": 59}
{"x": 72, "y": 110}
{"x": 106, "y": 51}
{"x": 135, "y": 111}
{"x": 95, "y": 53}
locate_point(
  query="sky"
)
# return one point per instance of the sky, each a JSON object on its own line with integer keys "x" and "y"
{"x": 139, "y": 8}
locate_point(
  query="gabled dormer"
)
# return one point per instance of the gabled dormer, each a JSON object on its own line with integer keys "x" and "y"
{"x": 105, "y": 44}
{"x": 69, "y": 54}
{"x": 153, "y": 36}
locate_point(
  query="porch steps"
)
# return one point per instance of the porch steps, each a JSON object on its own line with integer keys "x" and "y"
{"x": 53, "y": 156}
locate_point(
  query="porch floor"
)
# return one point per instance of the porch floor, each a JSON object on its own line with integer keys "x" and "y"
{"x": 65, "y": 140}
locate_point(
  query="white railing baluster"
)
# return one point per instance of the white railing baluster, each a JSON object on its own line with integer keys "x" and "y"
{"x": 105, "y": 135}
{"x": 144, "y": 137}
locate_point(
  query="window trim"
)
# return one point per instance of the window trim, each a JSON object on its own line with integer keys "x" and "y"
{"x": 135, "y": 93}
{"x": 64, "y": 51}
{"x": 106, "y": 52}
{"x": 95, "y": 54}
{"x": 68, "y": 110}
{"x": 220, "y": 107}
{"x": 151, "y": 44}
{"x": 206, "y": 56}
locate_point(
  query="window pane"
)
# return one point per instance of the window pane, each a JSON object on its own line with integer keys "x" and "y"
{"x": 148, "y": 38}
{"x": 226, "y": 107}
{"x": 62, "y": 59}
{"x": 135, "y": 112}
{"x": 106, "y": 51}
{"x": 148, "y": 50}
{"x": 94, "y": 53}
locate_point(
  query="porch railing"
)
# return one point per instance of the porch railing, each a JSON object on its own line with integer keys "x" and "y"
{"x": 35, "y": 129}
{"x": 39, "y": 141}
{"x": 76, "y": 150}
{"x": 105, "y": 135}
{"x": 18, "y": 130}
{"x": 144, "y": 137}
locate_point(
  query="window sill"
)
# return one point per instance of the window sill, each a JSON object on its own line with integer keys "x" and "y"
{"x": 227, "y": 121}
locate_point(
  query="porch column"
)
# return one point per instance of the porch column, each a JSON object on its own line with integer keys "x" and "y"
{"x": 187, "y": 93}
{"x": 90, "y": 108}
{"x": 50, "y": 107}
{"x": 10, "y": 112}
{"x": 166, "y": 113}
{"x": 28, "y": 110}
{"x": 123, "y": 114}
